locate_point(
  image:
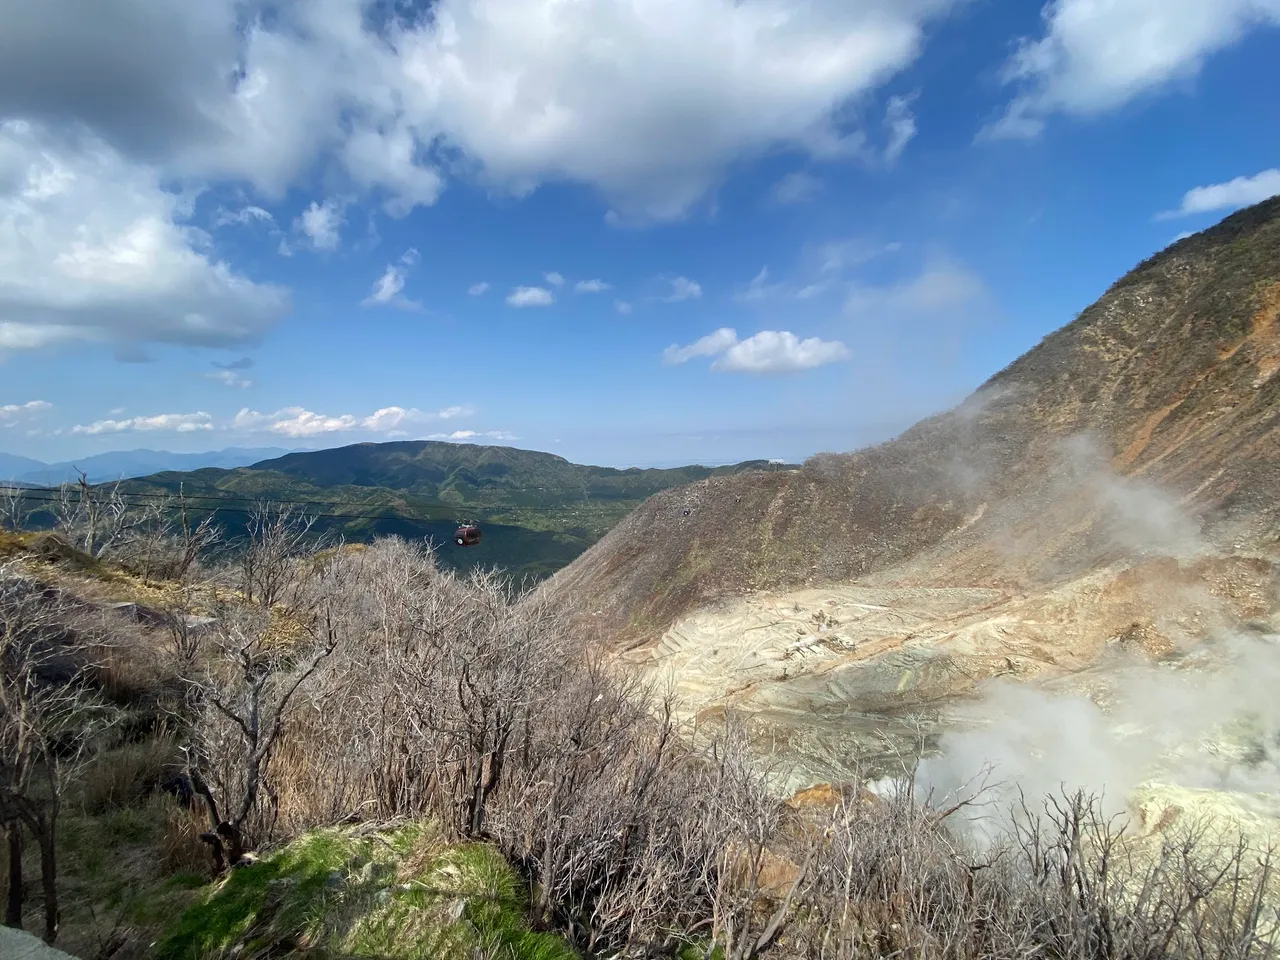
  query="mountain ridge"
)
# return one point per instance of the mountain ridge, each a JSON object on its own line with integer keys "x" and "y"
{"x": 127, "y": 464}
{"x": 539, "y": 509}
{"x": 1183, "y": 345}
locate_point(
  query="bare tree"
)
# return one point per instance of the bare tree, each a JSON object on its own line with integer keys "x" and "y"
{"x": 45, "y": 727}
{"x": 170, "y": 541}
{"x": 97, "y": 519}
{"x": 194, "y": 539}
{"x": 14, "y": 509}
{"x": 246, "y": 707}
{"x": 279, "y": 539}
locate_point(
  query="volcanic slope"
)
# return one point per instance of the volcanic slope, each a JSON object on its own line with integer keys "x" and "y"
{"x": 1115, "y": 489}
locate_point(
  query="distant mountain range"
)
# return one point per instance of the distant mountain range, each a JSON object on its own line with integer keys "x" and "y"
{"x": 538, "y": 511}
{"x": 124, "y": 464}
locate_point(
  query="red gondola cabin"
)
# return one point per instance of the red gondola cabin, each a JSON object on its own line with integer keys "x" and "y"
{"x": 468, "y": 535}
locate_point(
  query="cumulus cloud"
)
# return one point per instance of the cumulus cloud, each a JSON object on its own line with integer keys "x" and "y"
{"x": 780, "y": 351}
{"x": 162, "y": 422}
{"x": 11, "y": 414}
{"x": 708, "y": 346}
{"x": 299, "y": 422}
{"x": 106, "y": 253}
{"x": 477, "y": 289}
{"x": 768, "y": 352}
{"x": 459, "y": 436}
{"x": 321, "y": 224}
{"x": 795, "y": 187}
{"x": 530, "y": 297}
{"x": 1095, "y": 57}
{"x": 555, "y": 279}
{"x": 591, "y": 286}
{"x": 386, "y": 289}
{"x": 648, "y": 102}
{"x": 1240, "y": 192}
{"x": 295, "y": 422}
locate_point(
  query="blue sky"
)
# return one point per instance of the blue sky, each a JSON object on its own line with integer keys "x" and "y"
{"x": 629, "y": 233}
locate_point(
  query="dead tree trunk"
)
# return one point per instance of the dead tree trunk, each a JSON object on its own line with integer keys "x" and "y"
{"x": 13, "y": 904}
{"x": 49, "y": 880}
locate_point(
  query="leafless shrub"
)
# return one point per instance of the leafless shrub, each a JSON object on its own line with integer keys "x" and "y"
{"x": 893, "y": 880}
{"x": 14, "y": 509}
{"x": 424, "y": 694}
{"x": 279, "y": 539}
{"x": 46, "y": 725}
{"x": 244, "y": 701}
{"x": 97, "y": 520}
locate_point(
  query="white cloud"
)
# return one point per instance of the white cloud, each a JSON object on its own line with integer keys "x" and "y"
{"x": 321, "y": 224}
{"x": 591, "y": 286}
{"x": 647, "y": 101}
{"x": 464, "y": 435}
{"x": 477, "y": 289}
{"x": 1240, "y": 192}
{"x": 229, "y": 378}
{"x": 295, "y": 422}
{"x": 901, "y": 124}
{"x": 163, "y": 422}
{"x": 768, "y": 352}
{"x": 530, "y": 297}
{"x": 682, "y": 288}
{"x": 795, "y": 187}
{"x": 555, "y": 279}
{"x": 1097, "y": 55}
{"x": 242, "y": 217}
{"x": 11, "y": 414}
{"x": 386, "y": 289}
{"x": 774, "y": 351}
{"x": 622, "y": 306}
{"x": 708, "y": 346}
{"x": 300, "y": 422}
{"x": 105, "y": 254}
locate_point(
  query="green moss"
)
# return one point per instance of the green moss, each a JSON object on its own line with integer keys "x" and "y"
{"x": 395, "y": 894}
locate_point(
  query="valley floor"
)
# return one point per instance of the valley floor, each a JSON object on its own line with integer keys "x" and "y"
{"x": 1148, "y": 681}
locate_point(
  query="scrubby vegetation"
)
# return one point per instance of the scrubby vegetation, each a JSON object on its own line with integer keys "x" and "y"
{"x": 320, "y": 750}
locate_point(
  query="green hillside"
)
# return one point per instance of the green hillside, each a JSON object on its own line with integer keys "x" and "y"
{"x": 538, "y": 511}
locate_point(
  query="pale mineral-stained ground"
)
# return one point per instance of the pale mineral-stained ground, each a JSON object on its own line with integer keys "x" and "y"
{"x": 855, "y": 680}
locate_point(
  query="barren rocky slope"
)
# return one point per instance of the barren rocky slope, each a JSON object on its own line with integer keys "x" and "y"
{"x": 1115, "y": 489}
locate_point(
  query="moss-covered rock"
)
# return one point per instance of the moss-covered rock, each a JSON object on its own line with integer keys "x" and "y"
{"x": 394, "y": 893}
